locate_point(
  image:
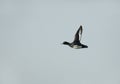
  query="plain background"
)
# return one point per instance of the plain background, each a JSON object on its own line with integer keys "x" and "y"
{"x": 31, "y": 33}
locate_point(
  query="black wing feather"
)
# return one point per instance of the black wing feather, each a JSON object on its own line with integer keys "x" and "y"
{"x": 77, "y": 37}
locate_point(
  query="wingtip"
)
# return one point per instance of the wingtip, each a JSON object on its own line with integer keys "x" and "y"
{"x": 80, "y": 25}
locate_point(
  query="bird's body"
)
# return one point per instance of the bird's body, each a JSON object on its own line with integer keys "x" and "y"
{"x": 76, "y": 43}
{"x": 77, "y": 47}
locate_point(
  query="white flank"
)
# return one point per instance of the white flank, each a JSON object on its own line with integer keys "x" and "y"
{"x": 77, "y": 47}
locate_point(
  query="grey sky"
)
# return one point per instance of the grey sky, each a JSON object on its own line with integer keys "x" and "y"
{"x": 31, "y": 33}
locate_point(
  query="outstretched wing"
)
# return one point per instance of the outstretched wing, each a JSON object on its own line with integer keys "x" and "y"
{"x": 78, "y": 34}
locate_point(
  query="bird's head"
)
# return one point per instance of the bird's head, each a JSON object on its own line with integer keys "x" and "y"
{"x": 66, "y": 43}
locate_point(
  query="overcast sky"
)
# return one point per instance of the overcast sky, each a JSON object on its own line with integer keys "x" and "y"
{"x": 31, "y": 33}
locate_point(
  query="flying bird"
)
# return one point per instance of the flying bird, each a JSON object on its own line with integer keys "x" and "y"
{"x": 76, "y": 44}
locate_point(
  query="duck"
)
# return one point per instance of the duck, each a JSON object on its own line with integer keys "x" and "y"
{"x": 76, "y": 44}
